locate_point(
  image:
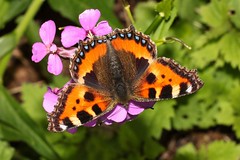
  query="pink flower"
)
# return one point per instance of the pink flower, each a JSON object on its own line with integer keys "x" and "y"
{"x": 41, "y": 49}
{"x": 121, "y": 114}
{"x": 50, "y": 99}
{"x": 88, "y": 19}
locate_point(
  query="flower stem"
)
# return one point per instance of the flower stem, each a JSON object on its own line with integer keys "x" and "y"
{"x": 170, "y": 40}
{"x": 128, "y": 11}
{"x": 32, "y": 10}
{"x": 156, "y": 22}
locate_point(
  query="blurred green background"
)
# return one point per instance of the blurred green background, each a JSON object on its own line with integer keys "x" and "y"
{"x": 203, "y": 126}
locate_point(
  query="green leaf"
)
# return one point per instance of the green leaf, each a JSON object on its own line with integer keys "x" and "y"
{"x": 225, "y": 113}
{"x": 163, "y": 29}
{"x": 230, "y": 48}
{"x": 59, "y": 81}
{"x": 215, "y": 13}
{"x": 165, "y": 7}
{"x": 220, "y": 150}
{"x": 11, "y": 9}
{"x": 14, "y": 116}
{"x": 204, "y": 56}
{"x": 6, "y": 152}
{"x": 128, "y": 138}
{"x": 159, "y": 118}
{"x": 236, "y": 126}
{"x": 7, "y": 44}
{"x": 33, "y": 32}
{"x": 152, "y": 149}
{"x": 233, "y": 12}
{"x": 186, "y": 152}
{"x": 187, "y": 9}
{"x": 235, "y": 101}
{"x": 186, "y": 116}
{"x": 72, "y": 9}
{"x": 144, "y": 12}
{"x": 32, "y": 103}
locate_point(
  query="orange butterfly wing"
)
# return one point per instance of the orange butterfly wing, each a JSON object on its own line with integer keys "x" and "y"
{"x": 77, "y": 105}
{"x": 165, "y": 79}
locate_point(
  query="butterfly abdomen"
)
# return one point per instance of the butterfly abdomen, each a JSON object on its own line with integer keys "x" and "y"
{"x": 116, "y": 73}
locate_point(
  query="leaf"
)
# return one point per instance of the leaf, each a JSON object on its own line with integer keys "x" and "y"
{"x": 72, "y": 9}
{"x": 11, "y": 9}
{"x": 32, "y": 103}
{"x": 14, "y": 116}
{"x": 204, "y": 56}
{"x": 163, "y": 29}
{"x": 236, "y": 126}
{"x": 7, "y": 43}
{"x": 186, "y": 116}
{"x": 6, "y": 152}
{"x": 59, "y": 81}
{"x": 225, "y": 113}
{"x": 233, "y": 12}
{"x": 214, "y": 14}
{"x": 187, "y": 9}
{"x": 165, "y": 7}
{"x": 186, "y": 152}
{"x": 144, "y": 12}
{"x": 230, "y": 48}
{"x": 159, "y": 118}
{"x": 128, "y": 138}
{"x": 152, "y": 149}
{"x": 235, "y": 101}
{"x": 220, "y": 150}
{"x": 33, "y": 32}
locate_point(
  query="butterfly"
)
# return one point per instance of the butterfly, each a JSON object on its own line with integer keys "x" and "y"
{"x": 115, "y": 69}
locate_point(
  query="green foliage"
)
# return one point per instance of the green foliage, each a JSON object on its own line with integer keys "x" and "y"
{"x": 217, "y": 150}
{"x": 16, "y": 125}
{"x": 211, "y": 28}
{"x": 6, "y": 151}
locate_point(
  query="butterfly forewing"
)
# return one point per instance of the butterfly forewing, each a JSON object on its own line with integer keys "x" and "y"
{"x": 78, "y": 104}
{"x": 165, "y": 79}
{"x": 88, "y": 53}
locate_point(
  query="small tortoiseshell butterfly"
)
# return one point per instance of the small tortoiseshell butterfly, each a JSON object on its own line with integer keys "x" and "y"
{"x": 115, "y": 69}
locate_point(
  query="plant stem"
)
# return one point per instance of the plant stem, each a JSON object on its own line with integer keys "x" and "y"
{"x": 32, "y": 10}
{"x": 156, "y": 22}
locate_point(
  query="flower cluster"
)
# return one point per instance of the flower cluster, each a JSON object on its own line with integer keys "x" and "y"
{"x": 69, "y": 37}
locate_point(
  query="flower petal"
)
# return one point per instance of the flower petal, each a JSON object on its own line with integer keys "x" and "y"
{"x": 72, "y": 130}
{"x": 102, "y": 29}
{"x": 134, "y": 109}
{"x": 47, "y": 32}
{"x": 55, "y": 65}
{"x": 49, "y": 100}
{"x": 39, "y": 51}
{"x": 91, "y": 123}
{"x": 71, "y": 35}
{"x": 88, "y": 19}
{"x": 119, "y": 114}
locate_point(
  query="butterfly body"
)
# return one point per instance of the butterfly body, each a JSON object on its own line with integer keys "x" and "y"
{"x": 115, "y": 69}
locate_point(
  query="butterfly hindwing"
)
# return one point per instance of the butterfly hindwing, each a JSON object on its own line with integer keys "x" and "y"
{"x": 165, "y": 79}
{"x": 77, "y": 105}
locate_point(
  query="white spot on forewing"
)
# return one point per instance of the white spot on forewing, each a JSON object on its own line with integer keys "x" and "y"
{"x": 75, "y": 121}
{"x": 63, "y": 127}
{"x": 189, "y": 89}
{"x": 175, "y": 91}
